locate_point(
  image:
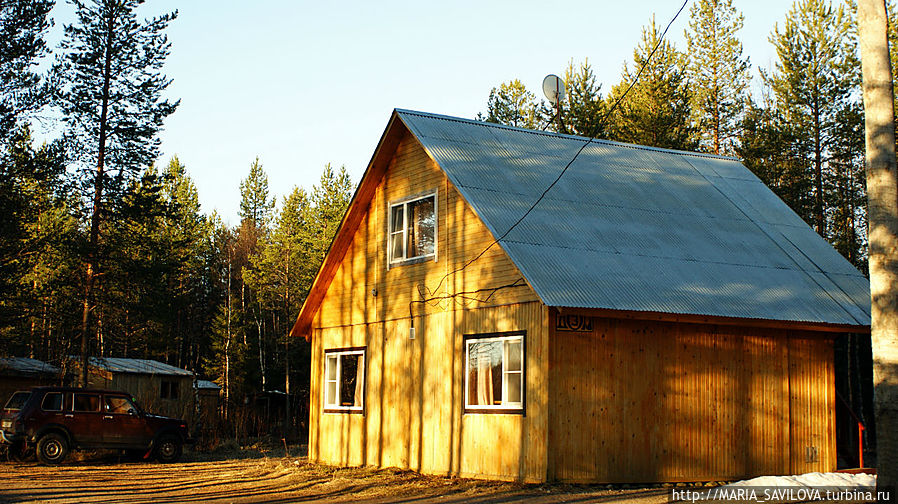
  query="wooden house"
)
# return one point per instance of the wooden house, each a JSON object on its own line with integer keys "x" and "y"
{"x": 658, "y": 316}
{"x": 22, "y": 373}
{"x": 158, "y": 387}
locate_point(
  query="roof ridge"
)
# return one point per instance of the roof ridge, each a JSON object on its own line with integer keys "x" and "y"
{"x": 565, "y": 136}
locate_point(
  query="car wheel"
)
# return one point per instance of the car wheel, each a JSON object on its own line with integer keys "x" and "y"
{"x": 52, "y": 449}
{"x": 168, "y": 449}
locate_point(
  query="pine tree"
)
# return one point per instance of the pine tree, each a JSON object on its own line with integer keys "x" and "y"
{"x": 39, "y": 239}
{"x": 330, "y": 199}
{"x": 23, "y": 24}
{"x": 278, "y": 274}
{"x": 227, "y": 358}
{"x": 186, "y": 232}
{"x": 282, "y": 274}
{"x": 767, "y": 147}
{"x": 513, "y": 105}
{"x": 256, "y": 207}
{"x": 815, "y": 77}
{"x": 585, "y": 108}
{"x": 718, "y": 73}
{"x": 111, "y": 98}
{"x": 131, "y": 299}
{"x": 255, "y": 204}
{"x": 656, "y": 110}
{"x": 845, "y": 186}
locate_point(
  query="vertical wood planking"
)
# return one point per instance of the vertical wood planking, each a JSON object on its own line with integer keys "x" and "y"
{"x": 461, "y": 236}
{"x": 414, "y": 413}
{"x": 641, "y": 401}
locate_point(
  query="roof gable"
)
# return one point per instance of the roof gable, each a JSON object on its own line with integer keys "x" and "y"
{"x": 642, "y": 229}
{"x": 627, "y": 227}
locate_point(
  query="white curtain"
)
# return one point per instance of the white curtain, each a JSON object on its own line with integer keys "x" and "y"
{"x": 359, "y": 377}
{"x": 484, "y": 379}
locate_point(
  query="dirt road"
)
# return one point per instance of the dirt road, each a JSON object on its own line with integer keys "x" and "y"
{"x": 275, "y": 480}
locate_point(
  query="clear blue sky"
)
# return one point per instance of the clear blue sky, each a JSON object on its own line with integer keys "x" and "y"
{"x": 301, "y": 84}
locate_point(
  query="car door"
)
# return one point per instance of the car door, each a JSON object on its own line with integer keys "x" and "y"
{"x": 84, "y": 420}
{"x": 122, "y": 423}
{"x": 54, "y": 408}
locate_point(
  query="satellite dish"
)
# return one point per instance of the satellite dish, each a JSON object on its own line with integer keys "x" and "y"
{"x": 553, "y": 88}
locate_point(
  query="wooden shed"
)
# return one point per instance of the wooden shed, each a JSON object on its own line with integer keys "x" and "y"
{"x": 159, "y": 388}
{"x": 658, "y": 316}
{"x": 208, "y": 408}
{"x": 23, "y": 373}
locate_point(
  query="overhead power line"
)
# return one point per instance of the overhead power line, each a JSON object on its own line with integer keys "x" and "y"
{"x": 600, "y": 123}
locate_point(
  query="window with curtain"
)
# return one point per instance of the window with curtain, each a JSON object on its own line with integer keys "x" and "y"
{"x": 494, "y": 373}
{"x": 413, "y": 229}
{"x": 344, "y": 380}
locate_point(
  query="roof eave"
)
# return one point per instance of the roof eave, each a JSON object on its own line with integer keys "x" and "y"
{"x": 796, "y": 325}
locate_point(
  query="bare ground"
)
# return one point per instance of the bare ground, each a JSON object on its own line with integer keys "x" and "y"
{"x": 103, "y": 478}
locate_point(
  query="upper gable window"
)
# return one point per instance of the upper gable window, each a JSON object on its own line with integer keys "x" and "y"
{"x": 413, "y": 229}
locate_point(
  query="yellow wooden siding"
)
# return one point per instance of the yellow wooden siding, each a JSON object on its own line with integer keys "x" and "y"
{"x": 639, "y": 401}
{"x": 414, "y": 388}
{"x": 460, "y": 236}
{"x": 414, "y": 398}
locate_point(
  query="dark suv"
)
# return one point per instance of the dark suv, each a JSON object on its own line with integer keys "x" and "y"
{"x": 56, "y": 420}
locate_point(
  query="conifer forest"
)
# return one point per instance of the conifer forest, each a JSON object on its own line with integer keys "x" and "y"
{"x": 106, "y": 251}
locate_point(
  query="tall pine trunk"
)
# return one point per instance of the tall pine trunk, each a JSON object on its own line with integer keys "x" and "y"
{"x": 288, "y": 425}
{"x": 227, "y": 374}
{"x": 818, "y": 171}
{"x": 93, "y": 245}
{"x": 882, "y": 212}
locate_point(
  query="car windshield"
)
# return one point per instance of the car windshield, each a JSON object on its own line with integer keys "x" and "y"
{"x": 17, "y": 401}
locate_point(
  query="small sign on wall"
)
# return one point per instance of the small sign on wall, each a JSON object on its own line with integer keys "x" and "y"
{"x": 573, "y": 323}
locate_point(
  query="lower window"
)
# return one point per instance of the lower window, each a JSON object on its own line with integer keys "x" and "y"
{"x": 494, "y": 373}
{"x": 344, "y": 380}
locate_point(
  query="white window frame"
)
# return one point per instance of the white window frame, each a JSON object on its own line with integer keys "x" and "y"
{"x": 337, "y": 353}
{"x": 397, "y": 261}
{"x": 505, "y": 407}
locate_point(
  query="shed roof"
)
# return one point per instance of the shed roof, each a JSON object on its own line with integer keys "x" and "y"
{"x": 628, "y": 227}
{"x": 137, "y": 366}
{"x": 23, "y": 366}
{"x": 206, "y": 385}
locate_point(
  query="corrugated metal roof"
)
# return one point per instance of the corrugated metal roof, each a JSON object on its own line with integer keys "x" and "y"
{"x": 644, "y": 229}
{"x": 206, "y": 385}
{"x": 27, "y": 367}
{"x": 138, "y": 366}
